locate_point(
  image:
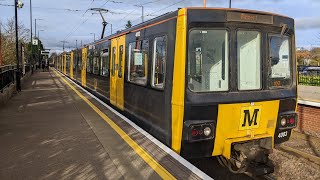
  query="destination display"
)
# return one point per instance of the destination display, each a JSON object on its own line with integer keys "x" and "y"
{"x": 249, "y": 17}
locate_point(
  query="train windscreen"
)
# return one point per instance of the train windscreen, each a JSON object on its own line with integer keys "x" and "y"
{"x": 208, "y": 54}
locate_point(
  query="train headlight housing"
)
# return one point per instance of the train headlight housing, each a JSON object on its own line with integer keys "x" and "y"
{"x": 199, "y": 130}
{"x": 287, "y": 120}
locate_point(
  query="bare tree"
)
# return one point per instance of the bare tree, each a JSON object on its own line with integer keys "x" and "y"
{"x": 8, "y": 40}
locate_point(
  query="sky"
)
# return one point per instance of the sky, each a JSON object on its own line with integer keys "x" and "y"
{"x": 70, "y": 20}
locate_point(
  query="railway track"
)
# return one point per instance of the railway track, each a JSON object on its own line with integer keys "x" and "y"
{"x": 264, "y": 177}
{"x": 211, "y": 167}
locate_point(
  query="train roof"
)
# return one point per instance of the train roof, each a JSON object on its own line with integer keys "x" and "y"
{"x": 173, "y": 14}
{"x": 237, "y": 10}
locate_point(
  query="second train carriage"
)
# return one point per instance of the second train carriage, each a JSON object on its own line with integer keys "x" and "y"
{"x": 204, "y": 81}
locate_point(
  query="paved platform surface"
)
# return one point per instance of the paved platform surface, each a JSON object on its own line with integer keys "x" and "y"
{"x": 48, "y": 132}
{"x": 311, "y": 93}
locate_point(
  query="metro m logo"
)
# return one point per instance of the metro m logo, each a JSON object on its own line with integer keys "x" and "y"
{"x": 250, "y": 117}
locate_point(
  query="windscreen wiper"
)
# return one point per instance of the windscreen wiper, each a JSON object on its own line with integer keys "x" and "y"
{"x": 283, "y": 30}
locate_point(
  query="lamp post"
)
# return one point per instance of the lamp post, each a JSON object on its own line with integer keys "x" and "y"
{"x": 229, "y": 3}
{"x": 142, "y": 13}
{"x": 94, "y": 36}
{"x": 35, "y": 26}
{"x": 31, "y": 55}
{"x": 0, "y": 45}
{"x": 63, "y": 42}
{"x": 39, "y": 33}
{"x": 39, "y": 47}
{"x": 17, "y": 4}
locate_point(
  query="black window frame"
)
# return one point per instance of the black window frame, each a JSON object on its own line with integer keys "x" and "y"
{"x": 129, "y": 61}
{"x": 152, "y": 62}
{"x": 113, "y": 60}
{"x": 230, "y": 32}
{"x": 108, "y": 61}
{"x": 292, "y": 62}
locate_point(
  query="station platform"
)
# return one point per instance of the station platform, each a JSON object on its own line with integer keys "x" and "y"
{"x": 309, "y": 93}
{"x": 54, "y": 129}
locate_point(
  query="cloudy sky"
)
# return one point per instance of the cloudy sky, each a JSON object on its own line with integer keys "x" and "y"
{"x": 69, "y": 20}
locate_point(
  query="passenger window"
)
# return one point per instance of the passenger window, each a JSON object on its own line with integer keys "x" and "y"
{"x": 120, "y": 61}
{"x": 249, "y": 60}
{"x": 67, "y": 62}
{"x": 114, "y": 50}
{"x": 96, "y": 63}
{"x": 80, "y": 61}
{"x": 105, "y": 63}
{"x": 159, "y": 62}
{"x": 74, "y": 61}
{"x": 138, "y": 62}
{"x": 89, "y": 62}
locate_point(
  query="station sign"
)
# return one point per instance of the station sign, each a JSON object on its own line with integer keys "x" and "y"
{"x": 35, "y": 42}
{"x": 45, "y": 52}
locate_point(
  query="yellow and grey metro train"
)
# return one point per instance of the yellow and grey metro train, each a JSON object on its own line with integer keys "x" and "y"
{"x": 204, "y": 81}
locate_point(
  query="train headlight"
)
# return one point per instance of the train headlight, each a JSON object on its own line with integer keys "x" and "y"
{"x": 283, "y": 122}
{"x": 207, "y": 131}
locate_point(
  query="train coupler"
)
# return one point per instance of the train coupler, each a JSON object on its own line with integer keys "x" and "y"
{"x": 256, "y": 155}
{"x": 250, "y": 157}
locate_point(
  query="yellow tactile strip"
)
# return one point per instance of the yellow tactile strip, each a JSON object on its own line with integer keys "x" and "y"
{"x": 163, "y": 173}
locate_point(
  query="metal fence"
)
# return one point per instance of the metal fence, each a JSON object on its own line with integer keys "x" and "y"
{"x": 309, "y": 76}
{"x": 7, "y": 76}
{"x": 27, "y": 68}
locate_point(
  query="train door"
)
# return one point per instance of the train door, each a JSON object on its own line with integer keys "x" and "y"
{"x": 71, "y": 64}
{"x": 84, "y": 67}
{"x": 64, "y": 63}
{"x": 117, "y": 65}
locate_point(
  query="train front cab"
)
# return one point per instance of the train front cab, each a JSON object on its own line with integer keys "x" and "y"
{"x": 234, "y": 86}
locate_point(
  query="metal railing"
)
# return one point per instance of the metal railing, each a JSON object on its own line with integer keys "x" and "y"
{"x": 27, "y": 68}
{"x": 309, "y": 76}
{"x": 7, "y": 76}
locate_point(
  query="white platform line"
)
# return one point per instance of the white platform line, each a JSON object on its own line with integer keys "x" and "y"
{"x": 309, "y": 103}
{"x": 169, "y": 151}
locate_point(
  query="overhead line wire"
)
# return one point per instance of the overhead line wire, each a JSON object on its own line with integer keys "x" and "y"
{"x": 165, "y": 7}
{"x": 75, "y": 26}
{"x": 60, "y": 9}
{"x": 118, "y": 27}
{"x": 150, "y": 14}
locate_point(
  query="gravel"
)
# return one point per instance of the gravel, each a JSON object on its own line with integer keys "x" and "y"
{"x": 306, "y": 143}
{"x": 292, "y": 167}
